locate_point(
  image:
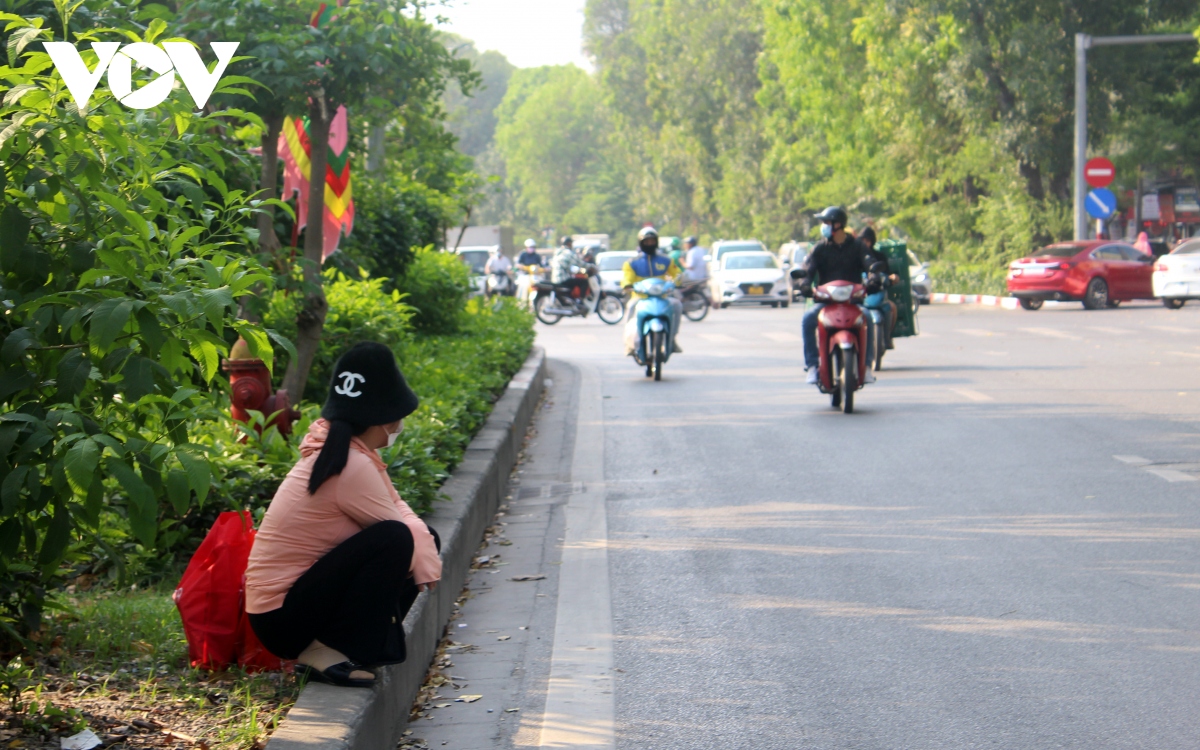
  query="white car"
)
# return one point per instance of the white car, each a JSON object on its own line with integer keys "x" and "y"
{"x": 751, "y": 278}
{"x": 476, "y": 258}
{"x": 611, "y": 265}
{"x": 1176, "y": 276}
{"x": 721, "y": 248}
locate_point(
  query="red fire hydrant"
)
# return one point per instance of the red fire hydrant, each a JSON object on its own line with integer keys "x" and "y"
{"x": 250, "y": 388}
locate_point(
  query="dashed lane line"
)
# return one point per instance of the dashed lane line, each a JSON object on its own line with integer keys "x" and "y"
{"x": 783, "y": 338}
{"x": 967, "y": 393}
{"x": 1134, "y": 460}
{"x": 1173, "y": 329}
{"x": 979, "y": 332}
{"x": 1171, "y": 475}
{"x": 1051, "y": 333}
{"x": 1113, "y": 331}
{"x": 1162, "y": 472}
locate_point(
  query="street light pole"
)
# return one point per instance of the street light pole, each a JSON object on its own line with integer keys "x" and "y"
{"x": 1083, "y": 42}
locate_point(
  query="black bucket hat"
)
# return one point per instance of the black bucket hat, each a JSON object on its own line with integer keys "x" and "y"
{"x": 368, "y": 389}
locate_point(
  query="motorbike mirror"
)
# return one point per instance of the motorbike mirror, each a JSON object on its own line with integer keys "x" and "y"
{"x": 799, "y": 273}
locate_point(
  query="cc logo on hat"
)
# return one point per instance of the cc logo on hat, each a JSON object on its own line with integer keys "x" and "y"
{"x": 347, "y": 386}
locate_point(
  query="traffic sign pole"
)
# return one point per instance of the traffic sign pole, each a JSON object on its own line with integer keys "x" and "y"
{"x": 1082, "y": 43}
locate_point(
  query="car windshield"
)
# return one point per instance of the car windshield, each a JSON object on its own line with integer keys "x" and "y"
{"x": 610, "y": 262}
{"x": 739, "y": 247}
{"x": 1057, "y": 251}
{"x": 1192, "y": 247}
{"x": 742, "y": 262}
{"x": 476, "y": 259}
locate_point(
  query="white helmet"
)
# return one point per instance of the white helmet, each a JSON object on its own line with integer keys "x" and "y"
{"x": 530, "y": 244}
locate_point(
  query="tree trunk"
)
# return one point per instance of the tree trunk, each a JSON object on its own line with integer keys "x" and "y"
{"x": 268, "y": 241}
{"x": 310, "y": 322}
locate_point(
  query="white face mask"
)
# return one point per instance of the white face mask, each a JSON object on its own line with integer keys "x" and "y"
{"x": 393, "y": 435}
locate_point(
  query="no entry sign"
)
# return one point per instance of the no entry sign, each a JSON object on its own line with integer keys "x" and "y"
{"x": 1099, "y": 172}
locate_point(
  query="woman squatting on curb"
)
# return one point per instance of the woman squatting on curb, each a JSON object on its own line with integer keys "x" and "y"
{"x": 340, "y": 558}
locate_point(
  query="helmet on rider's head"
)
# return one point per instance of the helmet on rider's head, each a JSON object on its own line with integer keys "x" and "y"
{"x": 496, "y": 250}
{"x": 868, "y": 236}
{"x": 676, "y": 243}
{"x": 566, "y": 241}
{"x": 833, "y": 215}
{"x": 648, "y": 240}
{"x": 691, "y": 242}
{"x": 530, "y": 244}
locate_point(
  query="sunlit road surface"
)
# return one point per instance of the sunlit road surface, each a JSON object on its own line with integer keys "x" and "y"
{"x": 1001, "y": 548}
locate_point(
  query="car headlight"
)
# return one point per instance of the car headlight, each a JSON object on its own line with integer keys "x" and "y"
{"x": 922, "y": 277}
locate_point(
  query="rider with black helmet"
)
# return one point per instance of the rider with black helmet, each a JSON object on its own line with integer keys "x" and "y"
{"x": 649, "y": 263}
{"x": 837, "y": 257}
{"x": 562, "y": 270}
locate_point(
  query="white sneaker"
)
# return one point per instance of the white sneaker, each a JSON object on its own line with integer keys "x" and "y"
{"x": 812, "y": 378}
{"x": 870, "y": 376}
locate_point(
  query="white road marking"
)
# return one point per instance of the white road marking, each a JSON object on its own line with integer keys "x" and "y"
{"x": 1134, "y": 460}
{"x": 783, "y": 338}
{"x": 718, "y": 338}
{"x": 1173, "y": 329}
{"x": 972, "y": 395}
{"x": 1051, "y": 333}
{"x": 582, "y": 338}
{"x": 579, "y": 698}
{"x": 1172, "y": 475}
{"x": 1114, "y": 331}
{"x": 1185, "y": 354}
{"x": 978, "y": 332}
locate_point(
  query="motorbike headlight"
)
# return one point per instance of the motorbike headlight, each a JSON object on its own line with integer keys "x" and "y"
{"x": 841, "y": 293}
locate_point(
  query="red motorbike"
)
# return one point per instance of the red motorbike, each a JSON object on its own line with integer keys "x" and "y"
{"x": 842, "y": 341}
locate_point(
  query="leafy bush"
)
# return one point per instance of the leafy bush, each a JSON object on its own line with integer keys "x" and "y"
{"x": 393, "y": 216}
{"x": 436, "y": 285}
{"x": 121, "y": 267}
{"x": 359, "y": 310}
{"x": 458, "y": 378}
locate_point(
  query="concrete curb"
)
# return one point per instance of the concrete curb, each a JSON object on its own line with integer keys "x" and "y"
{"x": 987, "y": 300}
{"x": 331, "y": 718}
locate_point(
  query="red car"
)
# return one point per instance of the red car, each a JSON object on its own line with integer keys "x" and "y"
{"x": 1098, "y": 273}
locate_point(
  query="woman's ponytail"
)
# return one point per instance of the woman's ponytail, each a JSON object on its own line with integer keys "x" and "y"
{"x": 334, "y": 453}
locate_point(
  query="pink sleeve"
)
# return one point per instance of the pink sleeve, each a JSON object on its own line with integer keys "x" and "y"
{"x": 366, "y": 496}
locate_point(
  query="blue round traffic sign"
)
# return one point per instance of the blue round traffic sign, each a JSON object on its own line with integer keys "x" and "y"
{"x": 1101, "y": 203}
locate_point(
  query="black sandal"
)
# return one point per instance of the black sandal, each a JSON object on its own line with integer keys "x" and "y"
{"x": 338, "y": 674}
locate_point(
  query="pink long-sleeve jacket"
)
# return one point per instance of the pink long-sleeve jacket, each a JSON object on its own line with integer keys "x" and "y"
{"x": 300, "y": 528}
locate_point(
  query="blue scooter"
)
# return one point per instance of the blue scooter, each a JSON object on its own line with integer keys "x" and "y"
{"x": 656, "y": 339}
{"x": 877, "y": 314}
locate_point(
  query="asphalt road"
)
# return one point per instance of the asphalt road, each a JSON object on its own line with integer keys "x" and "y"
{"x": 962, "y": 563}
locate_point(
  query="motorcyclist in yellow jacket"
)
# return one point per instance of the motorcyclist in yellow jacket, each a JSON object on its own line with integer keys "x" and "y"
{"x": 648, "y": 265}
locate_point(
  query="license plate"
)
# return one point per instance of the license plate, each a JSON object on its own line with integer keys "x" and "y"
{"x": 756, "y": 290}
{"x": 1034, "y": 270}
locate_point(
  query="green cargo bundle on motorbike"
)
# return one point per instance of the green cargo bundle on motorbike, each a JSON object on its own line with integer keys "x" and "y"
{"x": 901, "y": 292}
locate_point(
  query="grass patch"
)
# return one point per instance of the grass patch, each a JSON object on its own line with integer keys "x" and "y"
{"x": 116, "y": 663}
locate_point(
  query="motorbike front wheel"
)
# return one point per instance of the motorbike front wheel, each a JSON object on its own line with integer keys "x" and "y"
{"x": 849, "y": 380}
{"x": 660, "y": 353}
{"x": 698, "y": 310}
{"x": 835, "y": 393}
{"x": 611, "y": 309}
{"x": 539, "y": 309}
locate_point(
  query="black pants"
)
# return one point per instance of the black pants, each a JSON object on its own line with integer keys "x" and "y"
{"x": 353, "y": 599}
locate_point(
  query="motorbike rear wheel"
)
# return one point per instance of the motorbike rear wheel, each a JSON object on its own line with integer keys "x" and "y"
{"x": 611, "y": 308}
{"x": 696, "y": 314}
{"x": 849, "y": 380}
{"x": 539, "y": 305}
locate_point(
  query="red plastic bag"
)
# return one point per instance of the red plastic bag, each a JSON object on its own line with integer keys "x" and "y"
{"x": 211, "y": 599}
